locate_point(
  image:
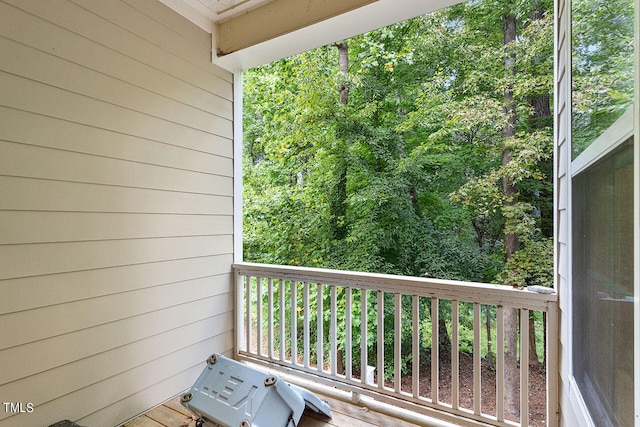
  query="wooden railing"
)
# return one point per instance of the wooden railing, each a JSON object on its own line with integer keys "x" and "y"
{"x": 403, "y": 340}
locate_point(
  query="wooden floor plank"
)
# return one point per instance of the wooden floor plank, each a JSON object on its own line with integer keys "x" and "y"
{"x": 177, "y": 406}
{"x": 142, "y": 421}
{"x": 166, "y": 416}
{"x": 173, "y": 414}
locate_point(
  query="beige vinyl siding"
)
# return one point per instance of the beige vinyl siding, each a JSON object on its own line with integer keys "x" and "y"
{"x": 562, "y": 157}
{"x": 116, "y": 208}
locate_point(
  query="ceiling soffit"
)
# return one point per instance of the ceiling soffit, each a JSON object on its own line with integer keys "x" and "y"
{"x": 249, "y": 33}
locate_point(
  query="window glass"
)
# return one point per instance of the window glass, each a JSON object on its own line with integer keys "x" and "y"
{"x": 602, "y": 67}
{"x": 602, "y": 287}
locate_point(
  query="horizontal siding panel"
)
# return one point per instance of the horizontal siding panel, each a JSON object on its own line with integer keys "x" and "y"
{"x": 562, "y": 160}
{"x": 129, "y": 408}
{"x": 168, "y": 18}
{"x": 28, "y": 161}
{"x": 62, "y": 319}
{"x": 43, "y": 195}
{"x": 116, "y": 207}
{"x": 74, "y": 376}
{"x": 132, "y": 20}
{"x": 563, "y": 192}
{"x": 108, "y": 336}
{"x": 563, "y": 227}
{"x": 563, "y": 261}
{"x": 84, "y": 402}
{"x": 54, "y": 102}
{"x": 56, "y": 227}
{"x": 62, "y": 43}
{"x": 54, "y": 258}
{"x": 57, "y": 48}
{"x": 38, "y": 130}
{"x": 197, "y": 353}
{"x": 85, "y": 23}
{"x": 51, "y": 70}
{"x": 42, "y": 291}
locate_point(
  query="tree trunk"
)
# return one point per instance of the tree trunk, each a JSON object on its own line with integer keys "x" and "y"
{"x": 540, "y": 118}
{"x": 343, "y": 63}
{"x": 339, "y": 197}
{"x": 338, "y": 194}
{"x": 511, "y": 240}
{"x": 444, "y": 338}
{"x": 488, "y": 325}
{"x": 534, "y": 362}
{"x": 511, "y": 372}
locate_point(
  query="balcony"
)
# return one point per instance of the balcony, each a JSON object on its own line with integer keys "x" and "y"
{"x": 310, "y": 325}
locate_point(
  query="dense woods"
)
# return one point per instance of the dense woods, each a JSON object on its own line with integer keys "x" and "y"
{"x": 421, "y": 149}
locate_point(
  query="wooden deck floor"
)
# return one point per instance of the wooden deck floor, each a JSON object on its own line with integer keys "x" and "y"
{"x": 173, "y": 414}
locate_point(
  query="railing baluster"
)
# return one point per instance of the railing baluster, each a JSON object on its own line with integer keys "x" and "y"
{"x": 320, "y": 336}
{"x": 455, "y": 356}
{"x": 524, "y": 368}
{"x": 248, "y": 328}
{"x": 281, "y": 283}
{"x": 364, "y": 352}
{"x": 500, "y": 363}
{"x": 415, "y": 348}
{"x": 294, "y": 322}
{"x": 348, "y": 368}
{"x": 259, "y": 314}
{"x": 477, "y": 367}
{"x": 435, "y": 349}
{"x": 270, "y": 316}
{"x": 256, "y": 287}
{"x": 333, "y": 331}
{"x": 307, "y": 325}
{"x": 380, "y": 339}
{"x": 397, "y": 330}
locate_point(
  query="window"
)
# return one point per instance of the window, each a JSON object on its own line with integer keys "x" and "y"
{"x": 603, "y": 286}
{"x": 602, "y": 208}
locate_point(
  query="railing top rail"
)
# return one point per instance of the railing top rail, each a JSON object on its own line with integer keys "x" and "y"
{"x": 482, "y": 293}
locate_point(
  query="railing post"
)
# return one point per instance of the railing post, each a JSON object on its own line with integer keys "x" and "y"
{"x": 397, "y": 331}
{"x": 320, "y": 340}
{"x": 380, "y": 339}
{"x": 364, "y": 356}
{"x": 524, "y": 368}
{"x": 477, "y": 361}
{"x": 294, "y": 322}
{"x": 348, "y": 368}
{"x": 435, "y": 349}
{"x": 333, "y": 331}
{"x": 259, "y": 314}
{"x": 415, "y": 348}
{"x": 281, "y": 289}
{"x": 270, "y": 316}
{"x": 553, "y": 411}
{"x": 248, "y": 328}
{"x": 239, "y": 308}
{"x": 307, "y": 325}
{"x": 500, "y": 363}
{"x": 455, "y": 356}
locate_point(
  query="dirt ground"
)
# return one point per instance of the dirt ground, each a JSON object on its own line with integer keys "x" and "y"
{"x": 537, "y": 387}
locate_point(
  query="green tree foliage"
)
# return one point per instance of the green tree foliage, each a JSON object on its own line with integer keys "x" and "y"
{"x": 415, "y": 152}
